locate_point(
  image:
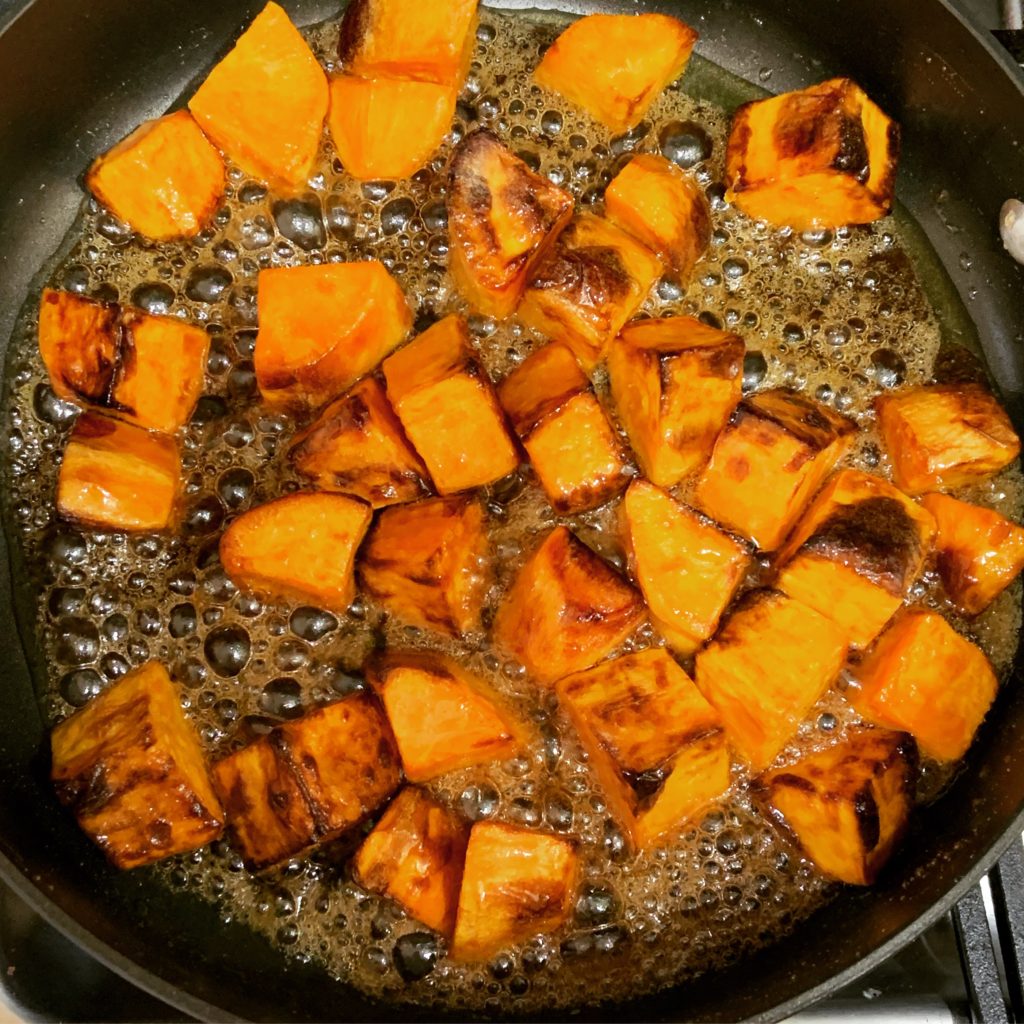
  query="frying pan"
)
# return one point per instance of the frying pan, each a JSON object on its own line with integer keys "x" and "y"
{"x": 75, "y": 78}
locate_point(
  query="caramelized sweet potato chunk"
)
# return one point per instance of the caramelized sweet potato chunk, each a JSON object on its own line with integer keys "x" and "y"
{"x": 663, "y": 207}
{"x": 922, "y": 676}
{"x": 675, "y": 383}
{"x": 516, "y": 883}
{"x": 615, "y": 65}
{"x": 769, "y": 461}
{"x": 823, "y": 156}
{"x": 308, "y": 781}
{"x": 848, "y": 805}
{"x": 855, "y": 553}
{"x": 80, "y": 342}
{"x": 165, "y": 179}
{"x": 687, "y": 568}
{"x": 415, "y": 855}
{"x": 945, "y": 435}
{"x": 300, "y": 547}
{"x": 421, "y": 40}
{"x": 502, "y": 218}
{"x": 590, "y": 282}
{"x": 356, "y": 446}
{"x": 641, "y": 716}
{"x": 130, "y": 766}
{"x": 446, "y": 403}
{"x": 324, "y": 327}
{"x": 566, "y": 610}
{"x": 574, "y": 451}
{"x": 425, "y": 563}
{"x": 386, "y": 128}
{"x": 118, "y": 476}
{"x": 443, "y": 717}
{"x": 264, "y": 104}
{"x": 769, "y": 664}
{"x": 979, "y": 552}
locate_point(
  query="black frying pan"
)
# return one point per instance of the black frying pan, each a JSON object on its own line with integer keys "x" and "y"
{"x": 75, "y": 78}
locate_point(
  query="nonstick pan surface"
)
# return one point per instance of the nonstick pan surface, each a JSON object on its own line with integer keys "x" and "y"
{"x": 75, "y": 78}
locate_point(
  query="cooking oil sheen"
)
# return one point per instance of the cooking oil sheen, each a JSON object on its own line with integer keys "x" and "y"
{"x": 840, "y": 315}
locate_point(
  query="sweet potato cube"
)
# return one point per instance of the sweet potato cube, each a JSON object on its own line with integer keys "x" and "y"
{"x": 324, "y": 327}
{"x": 415, "y": 855}
{"x": 118, "y": 476}
{"x": 308, "y": 781}
{"x": 945, "y": 435}
{"x": 446, "y": 403}
{"x": 823, "y": 156}
{"x": 427, "y": 563}
{"x": 130, "y": 766}
{"x": 663, "y": 207}
{"x": 385, "y": 128}
{"x": 264, "y": 104}
{"x": 769, "y": 461}
{"x": 687, "y": 568}
{"x": 567, "y": 609}
{"x": 848, "y": 805}
{"x": 356, "y": 446}
{"x": 979, "y": 552}
{"x": 301, "y": 547}
{"x": 516, "y": 884}
{"x": 923, "y": 677}
{"x": 590, "y": 282}
{"x": 615, "y": 65}
{"x": 769, "y": 664}
{"x": 444, "y": 718}
{"x": 502, "y": 218}
{"x": 675, "y": 383}
{"x": 572, "y": 446}
{"x": 855, "y": 553}
{"x": 641, "y": 716}
{"x": 421, "y": 40}
{"x": 165, "y": 179}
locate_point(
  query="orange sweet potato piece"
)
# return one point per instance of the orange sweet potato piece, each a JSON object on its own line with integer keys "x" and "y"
{"x": 641, "y": 716}
{"x": 516, "y": 883}
{"x": 502, "y": 219}
{"x": 848, "y": 805}
{"x": 769, "y": 664}
{"x": 574, "y": 451}
{"x": 130, "y": 766}
{"x": 118, "y": 476}
{"x": 308, "y": 781}
{"x": 356, "y": 446}
{"x": 663, "y": 207}
{"x": 386, "y": 128}
{"x": 264, "y": 104}
{"x": 444, "y": 718}
{"x": 769, "y": 461}
{"x": 426, "y": 563}
{"x": 444, "y": 398}
{"x": 615, "y": 65}
{"x": 855, "y": 553}
{"x": 567, "y": 609}
{"x": 165, "y": 179}
{"x": 590, "y": 282}
{"x": 324, "y": 327}
{"x": 675, "y": 383}
{"x": 979, "y": 552}
{"x": 923, "y": 677}
{"x": 819, "y": 157}
{"x": 687, "y": 568}
{"x": 945, "y": 435}
{"x": 300, "y": 547}
{"x": 415, "y": 855}
{"x": 420, "y": 40}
